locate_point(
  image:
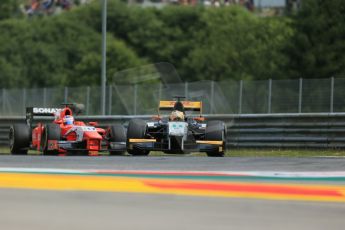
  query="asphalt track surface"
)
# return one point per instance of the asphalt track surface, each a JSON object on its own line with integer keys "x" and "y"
{"x": 183, "y": 163}
{"x": 41, "y": 209}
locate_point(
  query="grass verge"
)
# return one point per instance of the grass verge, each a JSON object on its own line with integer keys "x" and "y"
{"x": 273, "y": 153}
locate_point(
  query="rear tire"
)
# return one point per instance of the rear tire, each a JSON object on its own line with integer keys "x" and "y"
{"x": 216, "y": 131}
{"x": 19, "y": 137}
{"x": 50, "y": 132}
{"x": 136, "y": 130}
{"x": 117, "y": 134}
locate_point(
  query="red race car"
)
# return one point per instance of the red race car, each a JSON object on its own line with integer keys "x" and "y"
{"x": 64, "y": 134}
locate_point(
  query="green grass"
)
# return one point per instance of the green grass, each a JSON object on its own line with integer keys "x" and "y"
{"x": 272, "y": 153}
{"x": 285, "y": 152}
{"x": 245, "y": 153}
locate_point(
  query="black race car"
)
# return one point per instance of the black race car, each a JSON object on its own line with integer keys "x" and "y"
{"x": 177, "y": 133}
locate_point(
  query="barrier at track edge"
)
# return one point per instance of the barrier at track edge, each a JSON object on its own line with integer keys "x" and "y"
{"x": 295, "y": 130}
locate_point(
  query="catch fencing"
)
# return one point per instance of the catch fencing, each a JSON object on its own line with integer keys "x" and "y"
{"x": 223, "y": 97}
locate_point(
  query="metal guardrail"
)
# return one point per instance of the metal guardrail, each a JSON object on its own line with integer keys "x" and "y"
{"x": 309, "y": 130}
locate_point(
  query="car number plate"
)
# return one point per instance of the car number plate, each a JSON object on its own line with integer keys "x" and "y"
{"x": 177, "y": 128}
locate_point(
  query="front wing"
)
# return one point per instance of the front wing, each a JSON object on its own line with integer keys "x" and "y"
{"x": 81, "y": 146}
{"x": 197, "y": 146}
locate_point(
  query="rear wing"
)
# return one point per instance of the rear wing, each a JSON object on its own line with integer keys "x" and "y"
{"x": 37, "y": 111}
{"x": 188, "y": 105}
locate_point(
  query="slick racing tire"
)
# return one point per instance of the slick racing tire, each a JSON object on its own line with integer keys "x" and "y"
{"x": 19, "y": 136}
{"x": 50, "y": 132}
{"x": 136, "y": 130}
{"x": 216, "y": 131}
{"x": 117, "y": 133}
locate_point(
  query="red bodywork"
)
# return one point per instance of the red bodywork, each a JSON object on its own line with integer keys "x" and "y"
{"x": 77, "y": 132}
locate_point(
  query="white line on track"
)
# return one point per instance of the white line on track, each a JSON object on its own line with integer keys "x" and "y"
{"x": 277, "y": 174}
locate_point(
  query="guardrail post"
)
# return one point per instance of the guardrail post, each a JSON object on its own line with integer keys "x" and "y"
{"x": 240, "y": 97}
{"x": 87, "y": 99}
{"x": 269, "y": 102}
{"x": 110, "y": 95}
{"x": 66, "y": 94}
{"x": 332, "y": 95}
{"x": 300, "y": 95}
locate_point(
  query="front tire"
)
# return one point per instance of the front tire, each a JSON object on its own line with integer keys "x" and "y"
{"x": 136, "y": 130}
{"x": 216, "y": 131}
{"x": 117, "y": 133}
{"x": 50, "y": 132}
{"x": 19, "y": 138}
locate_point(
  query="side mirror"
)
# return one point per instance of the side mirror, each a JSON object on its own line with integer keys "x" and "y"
{"x": 58, "y": 121}
{"x": 93, "y": 123}
{"x": 200, "y": 119}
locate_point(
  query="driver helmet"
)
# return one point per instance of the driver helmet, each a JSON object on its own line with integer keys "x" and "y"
{"x": 176, "y": 116}
{"x": 68, "y": 120}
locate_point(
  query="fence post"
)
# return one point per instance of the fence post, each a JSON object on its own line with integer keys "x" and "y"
{"x": 87, "y": 100}
{"x": 24, "y": 99}
{"x": 269, "y": 104}
{"x": 3, "y": 99}
{"x": 160, "y": 92}
{"x": 66, "y": 94}
{"x": 135, "y": 98}
{"x": 110, "y": 95}
{"x": 332, "y": 95}
{"x": 212, "y": 97}
{"x": 300, "y": 95}
{"x": 186, "y": 90}
{"x": 240, "y": 98}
